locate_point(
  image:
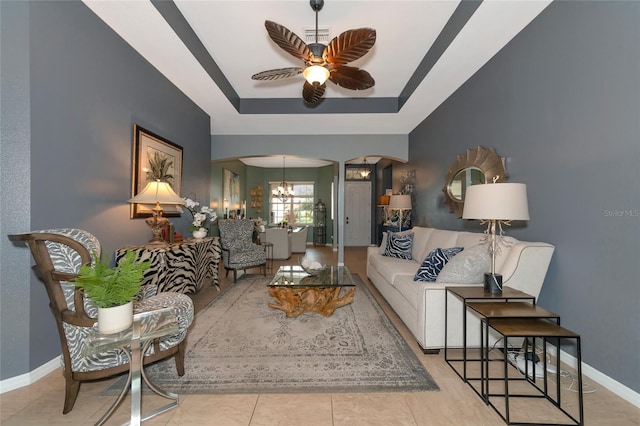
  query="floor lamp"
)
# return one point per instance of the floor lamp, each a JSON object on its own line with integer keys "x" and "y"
{"x": 402, "y": 203}
{"x": 496, "y": 204}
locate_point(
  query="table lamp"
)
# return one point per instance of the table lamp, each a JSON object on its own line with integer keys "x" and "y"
{"x": 383, "y": 201}
{"x": 496, "y": 204}
{"x": 157, "y": 192}
{"x": 402, "y": 203}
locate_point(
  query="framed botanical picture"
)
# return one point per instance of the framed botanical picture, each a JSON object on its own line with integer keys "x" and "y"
{"x": 230, "y": 191}
{"x": 154, "y": 157}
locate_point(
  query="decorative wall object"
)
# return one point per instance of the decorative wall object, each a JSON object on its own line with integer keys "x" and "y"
{"x": 154, "y": 158}
{"x": 256, "y": 198}
{"x": 231, "y": 190}
{"x": 407, "y": 182}
{"x": 475, "y": 166}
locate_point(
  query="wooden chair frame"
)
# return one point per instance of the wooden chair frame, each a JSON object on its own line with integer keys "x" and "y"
{"x": 45, "y": 271}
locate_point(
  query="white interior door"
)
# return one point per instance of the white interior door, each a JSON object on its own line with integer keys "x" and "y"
{"x": 357, "y": 213}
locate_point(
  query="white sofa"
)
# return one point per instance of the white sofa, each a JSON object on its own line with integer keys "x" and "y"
{"x": 420, "y": 304}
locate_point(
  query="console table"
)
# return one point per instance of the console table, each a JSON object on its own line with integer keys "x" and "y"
{"x": 182, "y": 267}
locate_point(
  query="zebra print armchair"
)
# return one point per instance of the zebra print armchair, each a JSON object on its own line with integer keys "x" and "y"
{"x": 58, "y": 254}
{"x": 238, "y": 249}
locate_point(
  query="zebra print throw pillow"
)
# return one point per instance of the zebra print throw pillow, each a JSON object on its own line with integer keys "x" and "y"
{"x": 434, "y": 262}
{"x": 399, "y": 245}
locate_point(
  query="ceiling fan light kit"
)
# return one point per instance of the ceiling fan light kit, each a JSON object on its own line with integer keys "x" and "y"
{"x": 322, "y": 62}
{"x": 316, "y": 74}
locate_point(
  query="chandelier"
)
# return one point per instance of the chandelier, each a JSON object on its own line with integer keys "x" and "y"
{"x": 364, "y": 169}
{"x": 284, "y": 191}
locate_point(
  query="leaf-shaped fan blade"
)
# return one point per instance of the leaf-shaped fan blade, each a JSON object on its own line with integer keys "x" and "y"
{"x": 287, "y": 40}
{"x": 351, "y": 78}
{"x": 312, "y": 94}
{"x": 277, "y": 74}
{"x": 349, "y": 46}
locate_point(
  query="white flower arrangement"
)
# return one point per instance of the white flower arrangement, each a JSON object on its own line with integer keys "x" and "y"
{"x": 200, "y": 215}
{"x": 258, "y": 224}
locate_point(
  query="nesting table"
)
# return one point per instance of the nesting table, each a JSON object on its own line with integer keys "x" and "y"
{"x": 469, "y": 294}
{"x": 513, "y": 314}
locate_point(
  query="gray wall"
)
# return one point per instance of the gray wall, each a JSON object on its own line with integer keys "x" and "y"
{"x": 561, "y": 103}
{"x": 15, "y": 205}
{"x": 66, "y": 161}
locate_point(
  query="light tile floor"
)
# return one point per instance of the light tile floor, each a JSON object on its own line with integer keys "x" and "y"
{"x": 455, "y": 404}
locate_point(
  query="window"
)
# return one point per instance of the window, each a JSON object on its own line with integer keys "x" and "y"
{"x": 301, "y": 204}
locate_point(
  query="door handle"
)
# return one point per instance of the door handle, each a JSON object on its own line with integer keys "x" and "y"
{"x": 347, "y": 220}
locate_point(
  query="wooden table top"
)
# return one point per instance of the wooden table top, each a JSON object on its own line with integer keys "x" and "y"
{"x": 530, "y": 327}
{"x": 511, "y": 310}
{"x": 477, "y": 292}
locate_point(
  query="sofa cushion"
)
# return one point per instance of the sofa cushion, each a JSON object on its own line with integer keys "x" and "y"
{"x": 434, "y": 262}
{"x": 408, "y": 289}
{"x": 469, "y": 239}
{"x": 390, "y": 267}
{"x": 399, "y": 246}
{"x": 439, "y": 238}
{"x": 467, "y": 267}
{"x": 420, "y": 238}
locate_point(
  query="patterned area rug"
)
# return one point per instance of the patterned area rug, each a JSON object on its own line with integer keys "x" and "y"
{"x": 238, "y": 344}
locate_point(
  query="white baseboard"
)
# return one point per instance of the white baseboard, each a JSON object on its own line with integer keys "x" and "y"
{"x": 602, "y": 379}
{"x": 29, "y": 378}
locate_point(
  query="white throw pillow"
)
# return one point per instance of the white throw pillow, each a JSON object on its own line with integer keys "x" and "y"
{"x": 467, "y": 267}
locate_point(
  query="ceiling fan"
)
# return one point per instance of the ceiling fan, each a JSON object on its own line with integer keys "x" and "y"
{"x": 322, "y": 62}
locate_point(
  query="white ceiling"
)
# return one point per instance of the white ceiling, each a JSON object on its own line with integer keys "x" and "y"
{"x": 236, "y": 41}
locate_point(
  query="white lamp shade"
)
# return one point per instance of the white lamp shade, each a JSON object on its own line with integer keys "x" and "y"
{"x": 316, "y": 74}
{"x": 157, "y": 192}
{"x": 497, "y": 201}
{"x": 400, "y": 202}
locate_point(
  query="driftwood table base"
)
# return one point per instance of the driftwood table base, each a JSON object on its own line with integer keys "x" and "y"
{"x": 320, "y": 300}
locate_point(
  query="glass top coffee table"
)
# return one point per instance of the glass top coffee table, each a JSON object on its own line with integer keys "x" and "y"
{"x": 296, "y": 292}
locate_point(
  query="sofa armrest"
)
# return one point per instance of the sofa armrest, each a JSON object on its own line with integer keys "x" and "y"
{"x": 526, "y": 265}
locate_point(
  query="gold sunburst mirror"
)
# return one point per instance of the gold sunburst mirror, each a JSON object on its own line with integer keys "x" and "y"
{"x": 474, "y": 167}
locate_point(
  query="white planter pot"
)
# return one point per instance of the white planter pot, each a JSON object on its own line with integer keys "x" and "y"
{"x": 116, "y": 319}
{"x": 200, "y": 234}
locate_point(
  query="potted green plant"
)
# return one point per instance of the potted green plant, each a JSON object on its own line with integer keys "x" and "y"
{"x": 113, "y": 289}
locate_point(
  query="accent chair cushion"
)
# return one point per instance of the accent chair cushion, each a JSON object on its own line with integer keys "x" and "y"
{"x": 434, "y": 262}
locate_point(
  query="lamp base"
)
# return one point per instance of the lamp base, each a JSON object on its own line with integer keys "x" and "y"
{"x": 492, "y": 283}
{"x": 157, "y": 223}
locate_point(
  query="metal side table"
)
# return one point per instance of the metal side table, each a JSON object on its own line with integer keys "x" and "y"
{"x": 490, "y": 311}
{"x": 268, "y": 248}
{"x": 536, "y": 328}
{"x": 135, "y": 341}
{"x": 468, "y": 294}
